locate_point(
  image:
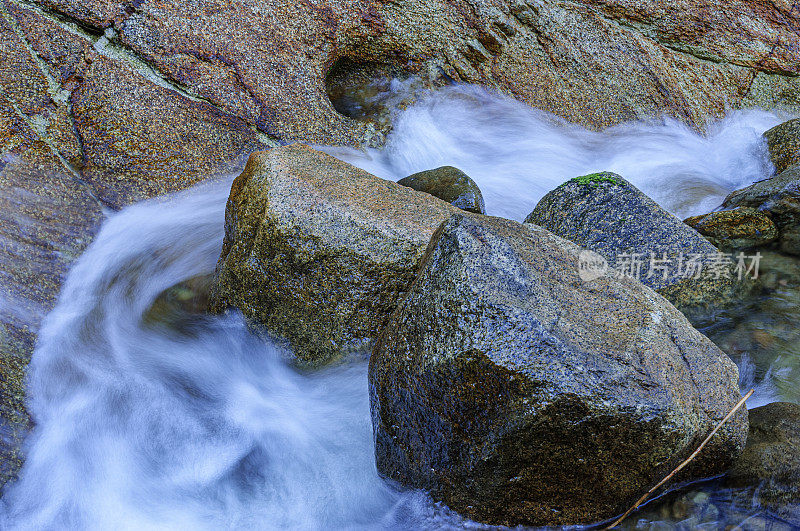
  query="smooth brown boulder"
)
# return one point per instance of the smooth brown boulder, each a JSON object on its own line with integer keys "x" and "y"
{"x": 740, "y": 228}
{"x": 778, "y": 197}
{"x": 519, "y": 393}
{"x": 317, "y": 251}
{"x": 448, "y": 184}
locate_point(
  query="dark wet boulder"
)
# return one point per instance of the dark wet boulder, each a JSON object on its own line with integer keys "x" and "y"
{"x": 518, "y": 393}
{"x": 783, "y": 142}
{"x": 448, "y": 184}
{"x": 740, "y": 228}
{"x": 779, "y": 197}
{"x": 606, "y": 214}
{"x": 317, "y": 251}
{"x": 770, "y": 463}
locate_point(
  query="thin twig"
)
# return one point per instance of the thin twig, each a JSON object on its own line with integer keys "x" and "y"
{"x": 685, "y": 462}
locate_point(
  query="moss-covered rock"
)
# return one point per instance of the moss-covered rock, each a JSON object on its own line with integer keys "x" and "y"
{"x": 594, "y": 179}
{"x": 779, "y": 197}
{"x": 448, "y": 184}
{"x": 604, "y": 213}
{"x": 783, "y": 141}
{"x": 517, "y": 393}
{"x": 317, "y": 251}
{"x": 740, "y": 228}
{"x": 770, "y": 463}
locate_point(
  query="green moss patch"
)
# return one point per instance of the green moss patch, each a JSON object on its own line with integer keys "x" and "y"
{"x": 594, "y": 179}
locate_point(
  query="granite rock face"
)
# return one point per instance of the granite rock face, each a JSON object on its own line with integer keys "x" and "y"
{"x": 448, "y": 184}
{"x": 47, "y": 217}
{"x": 606, "y": 214}
{"x": 518, "y": 393}
{"x": 740, "y": 228}
{"x": 779, "y": 197}
{"x": 770, "y": 463}
{"x": 783, "y": 142}
{"x": 317, "y": 251}
{"x": 266, "y": 64}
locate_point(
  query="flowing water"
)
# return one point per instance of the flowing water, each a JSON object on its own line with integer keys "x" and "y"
{"x": 150, "y": 414}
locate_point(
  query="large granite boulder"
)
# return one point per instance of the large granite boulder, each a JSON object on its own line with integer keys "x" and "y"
{"x": 770, "y": 463}
{"x": 266, "y": 64}
{"x": 518, "y": 393}
{"x": 779, "y": 197}
{"x": 783, "y": 142}
{"x": 317, "y": 251}
{"x": 448, "y": 184}
{"x": 606, "y": 214}
{"x": 739, "y": 228}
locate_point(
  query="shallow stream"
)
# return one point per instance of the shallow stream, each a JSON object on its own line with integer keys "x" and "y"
{"x": 152, "y": 415}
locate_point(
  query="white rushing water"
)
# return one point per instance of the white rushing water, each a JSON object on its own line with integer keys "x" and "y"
{"x": 517, "y": 154}
{"x": 140, "y": 426}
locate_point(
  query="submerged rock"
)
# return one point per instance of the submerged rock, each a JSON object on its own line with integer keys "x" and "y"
{"x": 740, "y": 228}
{"x": 779, "y": 197}
{"x": 783, "y": 142}
{"x": 770, "y": 463}
{"x": 517, "y": 393}
{"x": 604, "y": 213}
{"x": 448, "y": 184}
{"x": 317, "y": 251}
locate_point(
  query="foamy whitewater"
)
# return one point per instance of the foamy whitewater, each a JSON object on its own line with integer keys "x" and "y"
{"x": 142, "y": 427}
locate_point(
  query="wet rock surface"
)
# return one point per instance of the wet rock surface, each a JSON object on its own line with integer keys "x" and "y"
{"x": 47, "y": 218}
{"x": 498, "y": 378}
{"x": 783, "y": 142}
{"x": 740, "y": 228}
{"x": 266, "y": 65}
{"x": 448, "y": 184}
{"x": 606, "y": 214}
{"x": 317, "y": 251}
{"x": 770, "y": 463}
{"x": 121, "y": 128}
{"x": 83, "y": 126}
{"x": 779, "y": 197}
